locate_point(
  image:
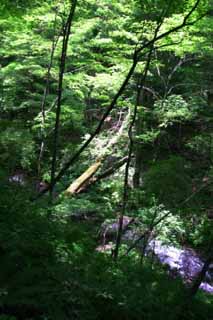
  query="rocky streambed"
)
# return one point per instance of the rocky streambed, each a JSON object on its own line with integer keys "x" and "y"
{"x": 183, "y": 262}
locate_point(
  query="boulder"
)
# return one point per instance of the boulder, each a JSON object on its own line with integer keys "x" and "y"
{"x": 109, "y": 229}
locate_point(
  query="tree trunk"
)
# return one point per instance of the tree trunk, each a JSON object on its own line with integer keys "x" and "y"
{"x": 144, "y": 98}
{"x": 66, "y": 34}
{"x": 201, "y": 276}
{"x": 43, "y": 104}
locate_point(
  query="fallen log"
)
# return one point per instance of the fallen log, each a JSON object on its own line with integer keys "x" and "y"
{"x": 84, "y": 180}
{"x": 104, "y": 174}
{"x": 79, "y": 183}
{"x": 88, "y": 178}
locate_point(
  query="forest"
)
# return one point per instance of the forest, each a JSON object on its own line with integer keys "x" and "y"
{"x": 106, "y": 159}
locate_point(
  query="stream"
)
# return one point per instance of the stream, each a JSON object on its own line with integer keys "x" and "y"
{"x": 184, "y": 262}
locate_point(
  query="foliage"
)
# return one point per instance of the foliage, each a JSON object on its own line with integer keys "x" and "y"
{"x": 172, "y": 110}
{"x": 168, "y": 181}
{"x": 71, "y": 279}
{"x": 171, "y": 229}
{"x": 50, "y": 268}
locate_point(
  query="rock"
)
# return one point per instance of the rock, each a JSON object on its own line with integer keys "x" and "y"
{"x": 19, "y": 178}
{"x": 83, "y": 215}
{"x": 209, "y": 274}
{"x": 104, "y": 248}
{"x": 109, "y": 229}
{"x": 42, "y": 185}
{"x": 183, "y": 262}
{"x": 206, "y": 287}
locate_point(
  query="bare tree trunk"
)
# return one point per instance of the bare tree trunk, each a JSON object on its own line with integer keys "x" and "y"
{"x": 66, "y": 35}
{"x": 144, "y": 98}
{"x": 190, "y": 294}
{"x": 46, "y": 92}
{"x": 91, "y": 179}
{"x": 95, "y": 179}
{"x": 131, "y": 144}
{"x": 201, "y": 276}
{"x": 131, "y": 141}
{"x": 138, "y": 128}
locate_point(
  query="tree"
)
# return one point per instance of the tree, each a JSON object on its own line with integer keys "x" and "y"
{"x": 66, "y": 35}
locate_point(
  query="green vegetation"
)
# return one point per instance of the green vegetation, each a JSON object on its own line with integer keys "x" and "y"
{"x": 106, "y": 112}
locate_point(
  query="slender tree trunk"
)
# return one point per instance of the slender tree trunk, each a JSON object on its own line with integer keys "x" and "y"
{"x": 66, "y": 35}
{"x": 131, "y": 141}
{"x": 46, "y": 92}
{"x": 125, "y": 199}
{"x": 201, "y": 276}
{"x": 144, "y": 98}
{"x": 190, "y": 294}
{"x": 138, "y": 168}
{"x": 131, "y": 144}
{"x": 138, "y": 129}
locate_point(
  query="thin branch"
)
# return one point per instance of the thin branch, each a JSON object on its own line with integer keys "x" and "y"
{"x": 119, "y": 93}
{"x": 165, "y": 216}
{"x": 152, "y": 91}
{"x": 168, "y": 44}
{"x": 175, "y": 29}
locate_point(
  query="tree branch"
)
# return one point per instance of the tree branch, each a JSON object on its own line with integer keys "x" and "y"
{"x": 120, "y": 92}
